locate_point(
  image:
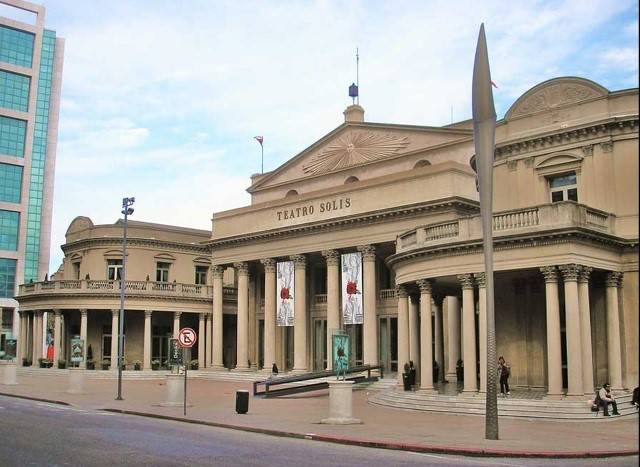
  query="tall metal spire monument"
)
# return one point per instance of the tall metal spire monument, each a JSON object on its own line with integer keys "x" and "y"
{"x": 484, "y": 128}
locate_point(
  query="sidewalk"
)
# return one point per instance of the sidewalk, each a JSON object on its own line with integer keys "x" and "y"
{"x": 213, "y": 402}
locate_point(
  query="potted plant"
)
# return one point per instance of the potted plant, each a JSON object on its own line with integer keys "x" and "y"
{"x": 137, "y": 365}
{"x": 155, "y": 364}
{"x": 460, "y": 370}
{"x": 91, "y": 365}
{"x": 124, "y": 364}
{"x": 193, "y": 365}
{"x": 42, "y": 362}
{"x": 105, "y": 364}
{"x": 26, "y": 362}
{"x": 436, "y": 371}
{"x": 406, "y": 377}
{"x": 62, "y": 364}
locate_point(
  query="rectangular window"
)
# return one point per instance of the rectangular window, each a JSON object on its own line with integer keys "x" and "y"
{"x": 162, "y": 272}
{"x": 201, "y": 275}
{"x": 114, "y": 269}
{"x": 76, "y": 271}
{"x": 9, "y": 222}
{"x": 564, "y": 188}
{"x": 10, "y": 183}
{"x": 14, "y": 91}
{"x": 16, "y": 46}
{"x": 7, "y": 277}
{"x": 12, "y": 136}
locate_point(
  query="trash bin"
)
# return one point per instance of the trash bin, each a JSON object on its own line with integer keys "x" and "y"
{"x": 242, "y": 401}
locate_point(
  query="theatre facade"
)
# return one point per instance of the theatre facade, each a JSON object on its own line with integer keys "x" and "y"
{"x": 374, "y": 231}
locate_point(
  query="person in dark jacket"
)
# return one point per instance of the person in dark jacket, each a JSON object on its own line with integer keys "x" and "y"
{"x": 504, "y": 371}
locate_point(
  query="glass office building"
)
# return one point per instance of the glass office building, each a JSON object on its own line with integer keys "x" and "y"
{"x": 30, "y": 80}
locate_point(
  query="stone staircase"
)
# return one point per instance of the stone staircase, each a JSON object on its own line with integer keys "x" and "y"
{"x": 511, "y": 407}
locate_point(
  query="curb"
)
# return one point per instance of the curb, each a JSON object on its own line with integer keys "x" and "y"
{"x": 37, "y": 399}
{"x": 421, "y": 448}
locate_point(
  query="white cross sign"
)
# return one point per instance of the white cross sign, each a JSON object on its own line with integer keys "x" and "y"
{"x": 187, "y": 337}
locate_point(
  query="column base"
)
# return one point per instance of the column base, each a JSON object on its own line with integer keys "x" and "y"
{"x": 468, "y": 393}
{"x": 554, "y": 397}
{"x": 574, "y": 397}
{"x": 243, "y": 369}
{"x": 427, "y": 391}
{"x": 298, "y": 371}
{"x": 451, "y": 377}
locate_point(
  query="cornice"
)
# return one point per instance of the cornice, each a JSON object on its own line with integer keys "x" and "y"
{"x": 605, "y": 128}
{"x": 454, "y": 203}
{"x": 87, "y": 243}
{"x": 552, "y": 237}
{"x": 107, "y": 295}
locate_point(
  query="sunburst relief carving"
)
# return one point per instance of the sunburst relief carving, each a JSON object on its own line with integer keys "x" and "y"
{"x": 355, "y": 148}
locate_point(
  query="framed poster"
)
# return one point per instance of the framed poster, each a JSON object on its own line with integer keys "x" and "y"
{"x": 352, "y": 311}
{"x": 77, "y": 350}
{"x": 284, "y": 293}
{"x": 340, "y": 352}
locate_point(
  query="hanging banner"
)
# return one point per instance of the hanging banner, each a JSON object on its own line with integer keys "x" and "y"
{"x": 352, "y": 312}
{"x": 285, "y": 292}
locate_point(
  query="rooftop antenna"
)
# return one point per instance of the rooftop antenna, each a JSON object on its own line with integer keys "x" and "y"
{"x": 353, "y": 89}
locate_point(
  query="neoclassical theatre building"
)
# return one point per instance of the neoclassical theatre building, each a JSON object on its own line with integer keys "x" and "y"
{"x": 389, "y": 213}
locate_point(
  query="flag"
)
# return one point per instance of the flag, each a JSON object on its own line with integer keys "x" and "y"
{"x": 494, "y": 85}
{"x": 259, "y": 139}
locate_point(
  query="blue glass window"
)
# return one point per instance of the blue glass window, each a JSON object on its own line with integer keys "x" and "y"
{"x": 7, "y": 277}
{"x": 14, "y": 91}
{"x": 9, "y": 222}
{"x": 16, "y": 47}
{"x": 12, "y": 133}
{"x": 10, "y": 183}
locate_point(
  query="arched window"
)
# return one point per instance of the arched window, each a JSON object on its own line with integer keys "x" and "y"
{"x": 351, "y": 180}
{"x": 421, "y": 163}
{"x": 291, "y": 193}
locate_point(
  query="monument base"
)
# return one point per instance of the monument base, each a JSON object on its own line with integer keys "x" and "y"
{"x": 175, "y": 391}
{"x": 76, "y": 381}
{"x": 341, "y": 404}
{"x": 10, "y": 374}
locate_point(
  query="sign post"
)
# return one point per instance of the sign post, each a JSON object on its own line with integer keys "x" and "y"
{"x": 186, "y": 338}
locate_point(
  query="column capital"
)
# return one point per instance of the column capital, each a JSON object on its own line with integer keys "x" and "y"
{"x": 202, "y": 316}
{"x": 242, "y": 268}
{"x": 55, "y": 312}
{"x": 148, "y": 313}
{"x": 83, "y": 312}
{"x": 569, "y": 272}
{"x": 550, "y": 273}
{"x": 401, "y": 291}
{"x": 585, "y": 272}
{"x": 332, "y": 257}
{"x": 300, "y": 261}
{"x": 217, "y": 271}
{"x": 115, "y": 313}
{"x": 269, "y": 265}
{"x": 613, "y": 279}
{"x": 425, "y": 285}
{"x": 368, "y": 252}
{"x": 481, "y": 279}
{"x": 438, "y": 298}
{"x": 466, "y": 280}
{"x": 177, "y": 314}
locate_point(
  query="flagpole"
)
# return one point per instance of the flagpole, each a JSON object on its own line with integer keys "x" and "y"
{"x": 261, "y": 158}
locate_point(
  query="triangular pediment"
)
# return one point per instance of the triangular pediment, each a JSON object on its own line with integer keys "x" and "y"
{"x": 355, "y": 145}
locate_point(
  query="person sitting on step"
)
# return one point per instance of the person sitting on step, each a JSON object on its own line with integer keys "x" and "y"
{"x": 606, "y": 398}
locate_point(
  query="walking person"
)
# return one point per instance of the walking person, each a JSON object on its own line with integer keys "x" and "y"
{"x": 606, "y": 398}
{"x": 504, "y": 371}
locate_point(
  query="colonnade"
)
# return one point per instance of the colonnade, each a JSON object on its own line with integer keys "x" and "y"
{"x": 579, "y": 350}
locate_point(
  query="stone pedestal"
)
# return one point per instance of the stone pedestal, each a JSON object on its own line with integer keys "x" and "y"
{"x": 175, "y": 391}
{"x": 76, "y": 381}
{"x": 10, "y": 374}
{"x": 341, "y": 404}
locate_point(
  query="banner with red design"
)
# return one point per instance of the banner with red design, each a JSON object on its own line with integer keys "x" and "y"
{"x": 352, "y": 311}
{"x": 285, "y": 292}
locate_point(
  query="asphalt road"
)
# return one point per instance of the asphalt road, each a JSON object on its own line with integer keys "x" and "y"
{"x": 37, "y": 433}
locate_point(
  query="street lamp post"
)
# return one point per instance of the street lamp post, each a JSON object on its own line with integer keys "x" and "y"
{"x": 126, "y": 210}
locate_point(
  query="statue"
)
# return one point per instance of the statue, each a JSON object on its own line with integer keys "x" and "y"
{"x": 341, "y": 364}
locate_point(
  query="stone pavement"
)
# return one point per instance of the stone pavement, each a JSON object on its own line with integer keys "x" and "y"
{"x": 213, "y": 402}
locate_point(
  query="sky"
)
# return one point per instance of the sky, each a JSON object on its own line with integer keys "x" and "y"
{"x": 161, "y": 99}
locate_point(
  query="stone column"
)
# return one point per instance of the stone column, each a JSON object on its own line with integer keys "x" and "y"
{"x": 332, "y": 258}
{"x": 426, "y": 336}
{"x": 270, "y": 306}
{"x": 114, "y": 338}
{"x": 572, "y": 326}
{"x": 34, "y": 339}
{"x": 202, "y": 321}
{"x": 209, "y": 342}
{"x": 403, "y": 329}
{"x": 414, "y": 334}
{"x": 57, "y": 338}
{"x": 176, "y": 323}
{"x": 469, "y": 333}
{"x": 146, "y": 346}
{"x": 554, "y": 356}
{"x": 482, "y": 328}
{"x": 300, "y": 310}
{"x": 585, "y": 329}
{"x": 242, "y": 359}
{"x": 37, "y": 337}
{"x": 614, "y": 356}
{"x": 83, "y": 336}
{"x": 217, "y": 321}
{"x": 369, "y": 298}
{"x": 21, "y": 338}
{"x": 453, "y": 325}
{"x": 438, "y": 334}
